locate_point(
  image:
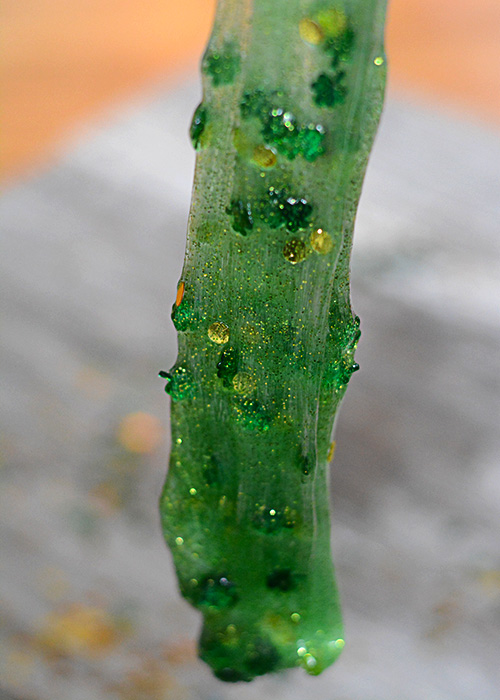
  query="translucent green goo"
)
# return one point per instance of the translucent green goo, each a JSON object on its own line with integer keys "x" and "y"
{"x": 293, "y": 92}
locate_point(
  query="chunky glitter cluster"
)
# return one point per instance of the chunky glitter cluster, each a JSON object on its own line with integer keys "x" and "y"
{"x": 266, "y": 331}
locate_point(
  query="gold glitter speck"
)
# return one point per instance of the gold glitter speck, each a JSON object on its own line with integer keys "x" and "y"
{"x": 331, "y": 451}
{"x": 264, "y": 157}
{"x": 321, "y": 241}
{"x": 218, "y": 333}
{"x": 295, "y": 251}
{"x": 250, "y": 333}
{"x": 244, "y": 383}
{"x": 310, "y": 31}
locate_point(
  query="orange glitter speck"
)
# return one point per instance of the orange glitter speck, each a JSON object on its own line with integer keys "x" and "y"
{"x": 180, "y": 293}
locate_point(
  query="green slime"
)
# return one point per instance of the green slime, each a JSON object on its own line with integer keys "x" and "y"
{"x": 293, "y": 93}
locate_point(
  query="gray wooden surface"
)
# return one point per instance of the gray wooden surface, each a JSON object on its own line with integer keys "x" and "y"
{"x": 91, "y": 254}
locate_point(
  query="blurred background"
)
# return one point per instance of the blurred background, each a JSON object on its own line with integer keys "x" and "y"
{"x": 66, "y": 62}
{"x": 96, "y": 173}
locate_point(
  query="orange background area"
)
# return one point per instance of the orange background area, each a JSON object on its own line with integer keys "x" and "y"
{"x": 69, "y": 60}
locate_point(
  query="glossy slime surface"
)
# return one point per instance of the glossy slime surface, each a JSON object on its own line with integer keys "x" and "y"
{"x": 293, "y": 92}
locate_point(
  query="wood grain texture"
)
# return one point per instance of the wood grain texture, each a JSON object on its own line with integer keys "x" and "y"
{"x": 66, "y": 62}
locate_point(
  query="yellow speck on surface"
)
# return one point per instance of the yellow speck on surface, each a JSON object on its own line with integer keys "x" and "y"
{"x": 331, "y": 451}
{"x": 295, "y": 251}
{"x": 333, "y": 22}
{"x": 179, "y": 541}
{"x": 321, "y": 241}
{"x": 180, "y": 293}
{"x": 378, "y": 61}
{"x": 264, "y": 157}
{"x": 192, "y": 491}
{"x": 78, "y": 630}
{"x": 140, "y": 432}
{"x": 310, "y": 31}
{"x": 250, "y": 333}
{"x": 244, "y": 383}
{"x": 218, "y": 333}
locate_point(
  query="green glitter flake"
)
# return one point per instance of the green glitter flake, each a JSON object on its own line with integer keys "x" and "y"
{"x": 180, "y": 383}
{"x": 252, "y": 415}
{"x": 279, "y": 210}
{"x": 241, "y": 217}
{"x": 280, "y": 127}
{"x": 296, "y": 213}
{"x": 328, "y": 90}
{"x": 344, "y": 336}
{"x": 183, "y": 316}
{"x": 332, "y": 21}
{"x": 198, "y": 126}
{"x": 222, "y": 65}
{"x": 214, "y": 591}
{"x": 227, "y": 366}
{"x": 311, "y": 142}
{"x": 344, "y": 333}
{"x": 281, "y": 130}
{"x": 255, "y": 103}
{"x": 340, "y": 47}
{"x": 262, "y": 657}
{"x": 338, "y": 374}
{"x": 238, "y": 657}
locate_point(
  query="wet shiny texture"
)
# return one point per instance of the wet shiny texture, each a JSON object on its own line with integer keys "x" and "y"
{"x": 266, "y": 331}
